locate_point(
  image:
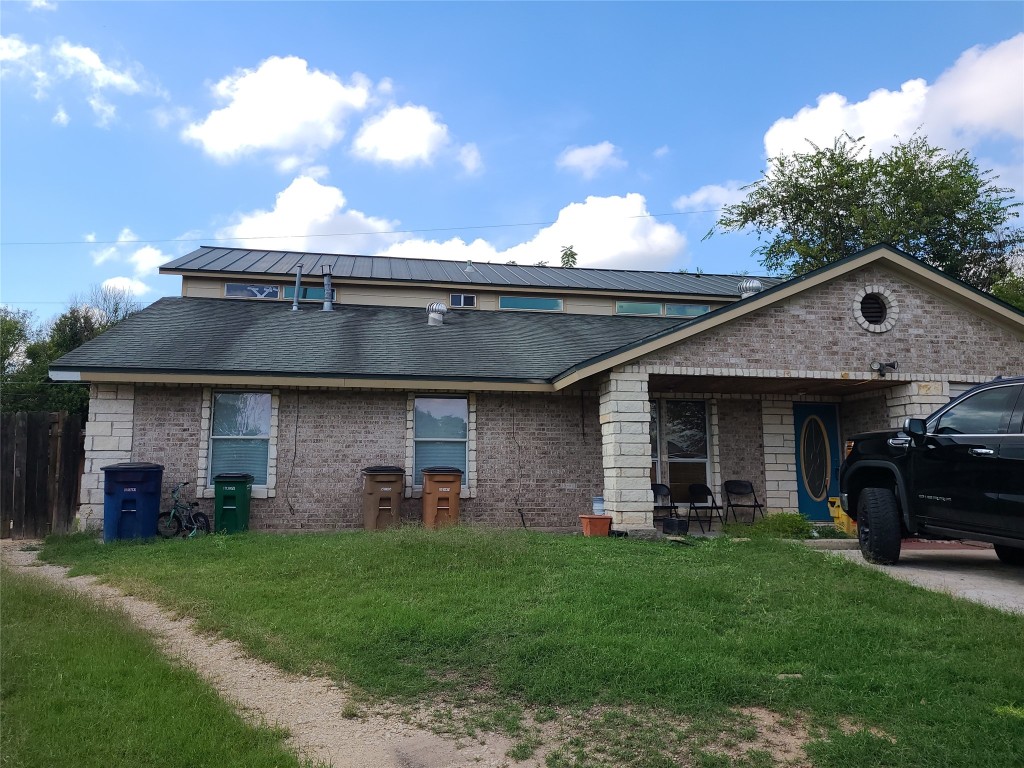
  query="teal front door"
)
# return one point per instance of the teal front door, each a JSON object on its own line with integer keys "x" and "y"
{"x": 817, "y": 457}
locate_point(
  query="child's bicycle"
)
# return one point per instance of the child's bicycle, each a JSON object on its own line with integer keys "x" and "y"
{"x": 182, "y": 519}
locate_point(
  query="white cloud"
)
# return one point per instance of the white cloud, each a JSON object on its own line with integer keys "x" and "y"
{"x": 711, "y": 197}
{"x": 41, "y": 5}
{"x": 89, "y": 237}
{"x": 307, "y": 207}
{"x": 469, "y": 158}
{"x": 105, "y": 111}
{"x": 281, "y": 106}
{"x": 19, "y": 58}
{"x": 79, "y": 60}
{"x": 133, "y": 286}
{"x": 980, "y": 96}
{"x": 166, "y": 116}
{"x": 590, "y": 161}
{"x": 145, "y": 260}
{"x": 60, "y": 117}
{"x": 662, "y": 151}
{"x": 401, "y": 135}
{"x": 606, "y": 232}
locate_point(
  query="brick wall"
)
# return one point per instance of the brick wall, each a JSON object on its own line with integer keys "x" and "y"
{"x": 740, "y": 444}
{"x": 817, "y": 331}
{"x": 325, "y": 438}
{"x": 863, "y": 415}
{"x": 538, "y": 453}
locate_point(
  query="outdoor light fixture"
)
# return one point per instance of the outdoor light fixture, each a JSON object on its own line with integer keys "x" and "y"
{"x": 881, "y": 368}
{"x": 469, "y": 268}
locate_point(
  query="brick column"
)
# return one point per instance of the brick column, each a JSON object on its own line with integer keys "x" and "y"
{"x": 625, "y": 412}
{"x": 779, "y": 456}
{"x": 108, "y": 440}
{"x": 916, "y": 399}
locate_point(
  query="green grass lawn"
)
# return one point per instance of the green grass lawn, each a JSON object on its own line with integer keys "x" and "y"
{"x": 82, "y": 687}
{"x": 558, "y": 622}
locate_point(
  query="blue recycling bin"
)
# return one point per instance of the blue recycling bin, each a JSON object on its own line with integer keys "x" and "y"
{"x": 131, "y": 500}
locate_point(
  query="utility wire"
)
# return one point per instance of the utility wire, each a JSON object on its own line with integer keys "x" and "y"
{"x": 327, "y": 234}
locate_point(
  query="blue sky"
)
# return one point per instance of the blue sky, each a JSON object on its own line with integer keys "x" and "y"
{"x": 134, "y": 132}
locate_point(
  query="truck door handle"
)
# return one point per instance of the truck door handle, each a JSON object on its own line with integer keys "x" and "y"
{"x": 981, "y": 452}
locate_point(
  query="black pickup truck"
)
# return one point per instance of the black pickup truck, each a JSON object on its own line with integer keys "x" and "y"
{"x": 958, "y": 474}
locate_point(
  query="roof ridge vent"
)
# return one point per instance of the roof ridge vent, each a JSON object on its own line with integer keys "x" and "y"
{"x": 436, "y": 312}
{"x": 749, "y": 286}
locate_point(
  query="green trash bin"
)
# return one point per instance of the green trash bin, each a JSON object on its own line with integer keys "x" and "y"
{"x": 233, "y": 491}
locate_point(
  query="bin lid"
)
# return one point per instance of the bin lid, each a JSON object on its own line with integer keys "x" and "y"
{"x": 133, "y": 466}
{"x": 234, "y": 477}
{"x": 445, "y": 470}
{"x": 383, "y": 469}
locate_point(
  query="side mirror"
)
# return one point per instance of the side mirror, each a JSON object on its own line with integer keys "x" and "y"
{"x": 917, "y": 429}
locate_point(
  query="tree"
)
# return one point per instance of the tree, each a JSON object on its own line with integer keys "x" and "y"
{"x": 16, "y": 329}
{"x": 813, "y": 208}
{"x": 29, "y": 352}
{"x": 568, "y": 256}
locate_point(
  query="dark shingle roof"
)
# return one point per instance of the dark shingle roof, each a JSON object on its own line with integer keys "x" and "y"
{"x": 281, "y": 264}
{"x": 196, "y": 335}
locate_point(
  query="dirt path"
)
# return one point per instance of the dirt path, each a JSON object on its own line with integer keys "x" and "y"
{"x": 309, "y": 707}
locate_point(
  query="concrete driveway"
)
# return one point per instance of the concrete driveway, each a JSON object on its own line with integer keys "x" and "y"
{"x": 963, "y": 570}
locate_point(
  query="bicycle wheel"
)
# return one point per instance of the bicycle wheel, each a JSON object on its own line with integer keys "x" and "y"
{"x": 202, "y": 523}
{"x": 168, "y": 525}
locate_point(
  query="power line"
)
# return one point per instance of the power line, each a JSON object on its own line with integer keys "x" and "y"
{"x": 329, "y": 234}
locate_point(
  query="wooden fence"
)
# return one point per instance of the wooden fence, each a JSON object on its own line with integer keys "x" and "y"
{"x": 41, "y": 457}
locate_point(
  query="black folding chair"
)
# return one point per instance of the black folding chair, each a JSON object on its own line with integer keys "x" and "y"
{"x": 741, "y": 489}
{"x": 663, "y": 501}
{"x": 703, "y": 500}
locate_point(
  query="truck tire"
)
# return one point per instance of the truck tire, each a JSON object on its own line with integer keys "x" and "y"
{"x": 878, "y": 526}
{"x": 1010, "y": 555}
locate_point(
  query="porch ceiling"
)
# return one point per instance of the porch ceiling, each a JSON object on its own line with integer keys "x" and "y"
{"x": 749, "y": 385}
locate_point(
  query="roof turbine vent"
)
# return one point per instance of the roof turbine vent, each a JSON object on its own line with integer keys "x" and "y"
{"x": 749, "y": 286}
{"x": 436, "y": 313}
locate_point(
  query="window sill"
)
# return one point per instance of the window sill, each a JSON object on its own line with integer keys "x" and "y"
{"x": 258, "y": 492}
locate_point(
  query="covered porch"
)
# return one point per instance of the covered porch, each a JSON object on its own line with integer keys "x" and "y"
{"x": 782, "y": 431}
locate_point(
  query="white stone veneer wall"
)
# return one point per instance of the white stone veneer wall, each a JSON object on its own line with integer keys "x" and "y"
{"x": 625, "y": 415}
{"x": 108, "y": 440}
{"x": 779, "y": 455}
{"x": 916, "y": 399}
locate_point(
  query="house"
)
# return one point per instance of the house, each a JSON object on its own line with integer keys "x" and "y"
{"x": 548, "y": 386}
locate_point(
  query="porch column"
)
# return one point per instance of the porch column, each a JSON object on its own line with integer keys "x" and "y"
{"x": 916, "y": 399}
{"x": 108, "y": 440}
{"x": 626, "y": 449}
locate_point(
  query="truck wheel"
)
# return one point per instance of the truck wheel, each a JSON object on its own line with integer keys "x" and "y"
{"x": 878, "y": 526}
{"x": 1010, "y": 555}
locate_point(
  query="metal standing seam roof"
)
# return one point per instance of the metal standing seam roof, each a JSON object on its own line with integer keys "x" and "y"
{"x": 183, "y": 335}
{"x": 281, "y": 264}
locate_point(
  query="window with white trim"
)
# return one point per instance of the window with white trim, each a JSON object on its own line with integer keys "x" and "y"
{"x": 240, "y": 434}
{"x": 463, "y": 300}
{"x": 440, "y": 434}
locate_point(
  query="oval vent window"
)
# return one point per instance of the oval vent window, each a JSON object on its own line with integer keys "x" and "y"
{"x": 873, "y": 308}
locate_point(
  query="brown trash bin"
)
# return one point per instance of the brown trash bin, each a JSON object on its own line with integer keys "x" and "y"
{"x": 441, "y": 488}
{"x": 382, "y": 495}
